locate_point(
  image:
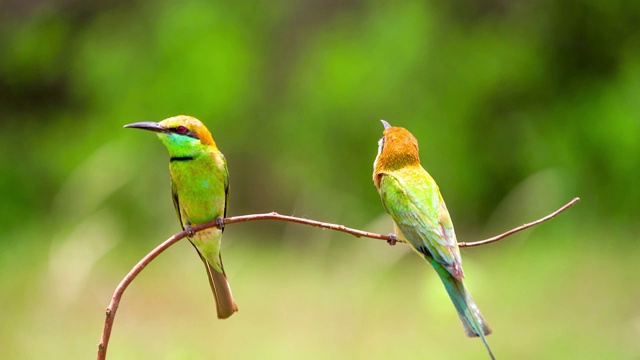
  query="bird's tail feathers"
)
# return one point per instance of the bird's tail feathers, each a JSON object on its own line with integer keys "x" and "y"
{"x": 472, "y": 320}
{"x": 225, "y": 305}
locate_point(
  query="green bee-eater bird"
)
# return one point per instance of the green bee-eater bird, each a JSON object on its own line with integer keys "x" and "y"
{"x": 421, "y": 219}
{"x": 200, "y": 191}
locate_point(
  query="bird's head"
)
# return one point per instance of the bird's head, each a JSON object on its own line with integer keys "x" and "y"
{"x": 396, "y": 149}
{"x": 182, "y": 134}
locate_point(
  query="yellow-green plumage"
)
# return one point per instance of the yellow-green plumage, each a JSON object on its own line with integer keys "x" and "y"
{"x": 200, "y": 191}
{"x": 421, "y": 219}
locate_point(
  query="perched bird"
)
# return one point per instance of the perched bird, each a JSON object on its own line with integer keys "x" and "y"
{"x": 421, "y": 219}
{"x": 200, "y": 191}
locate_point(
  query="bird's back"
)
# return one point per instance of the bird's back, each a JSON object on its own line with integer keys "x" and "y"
{"x": 413, "y": 200}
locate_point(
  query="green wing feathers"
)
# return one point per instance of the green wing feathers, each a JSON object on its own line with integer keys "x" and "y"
{"x": 176, "y": 202}
{"x": 415, "y": 205}
{"x": 226, "y": 186}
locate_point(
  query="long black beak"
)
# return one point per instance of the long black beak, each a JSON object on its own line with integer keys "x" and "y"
{"x": 384, "y": 123}
{"x": 147, "y": 125}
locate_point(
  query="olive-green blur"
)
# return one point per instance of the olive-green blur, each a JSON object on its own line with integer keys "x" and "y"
{"x": 518, "y": 106}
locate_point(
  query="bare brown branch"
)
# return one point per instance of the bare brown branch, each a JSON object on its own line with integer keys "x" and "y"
{"x": 117, "y": 295}
{"x": 521, "y": 227}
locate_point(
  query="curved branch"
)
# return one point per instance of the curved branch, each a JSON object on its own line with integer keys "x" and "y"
{"x": 117, "y": 295}
{"x": 521, "y": 227}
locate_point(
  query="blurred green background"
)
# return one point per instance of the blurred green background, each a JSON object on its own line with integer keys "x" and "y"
{"x": 518, "y": 107}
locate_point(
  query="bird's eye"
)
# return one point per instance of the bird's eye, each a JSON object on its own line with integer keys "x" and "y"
{"x": 181, "y": 130}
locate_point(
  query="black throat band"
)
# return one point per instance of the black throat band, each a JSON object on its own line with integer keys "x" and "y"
{"x": 181, "y": 158}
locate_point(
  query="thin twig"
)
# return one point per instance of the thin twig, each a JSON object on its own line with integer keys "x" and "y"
{"x": 117, "y": 295}
{"x": 522, "y": 227}
{"x": 314, "y": 223}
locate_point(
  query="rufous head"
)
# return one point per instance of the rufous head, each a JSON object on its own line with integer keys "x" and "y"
{"x": 396, "y": 149}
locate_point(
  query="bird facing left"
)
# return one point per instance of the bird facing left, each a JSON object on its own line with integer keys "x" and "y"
{"x": 200, "y": 192}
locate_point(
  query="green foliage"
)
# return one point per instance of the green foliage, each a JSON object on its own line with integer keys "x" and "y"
{"x": 517, "y": 106}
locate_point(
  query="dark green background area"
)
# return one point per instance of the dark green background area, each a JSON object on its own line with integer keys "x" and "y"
{"x": 518, "y": 107}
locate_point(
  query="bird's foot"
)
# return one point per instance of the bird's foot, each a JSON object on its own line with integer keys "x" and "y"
{"x": 189, "y": 230}
{"x": 392, "y": 240}
{"x": 220, "y": 222}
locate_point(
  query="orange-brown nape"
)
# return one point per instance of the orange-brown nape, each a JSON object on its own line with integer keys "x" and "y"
{"x": 399, "y": 149}
{"x": 192, "y": 124}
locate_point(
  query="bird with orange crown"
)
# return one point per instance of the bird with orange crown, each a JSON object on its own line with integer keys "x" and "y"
{"x": 200, "y": 192}
{"x": 421, "y": 219}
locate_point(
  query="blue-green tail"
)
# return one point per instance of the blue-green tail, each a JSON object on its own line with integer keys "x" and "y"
{"x": 472, "y": 320}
